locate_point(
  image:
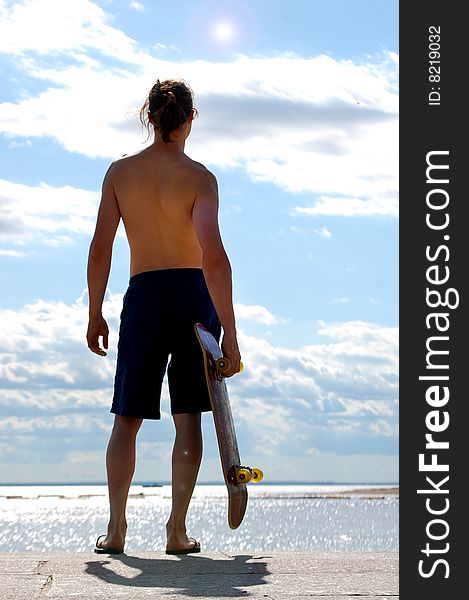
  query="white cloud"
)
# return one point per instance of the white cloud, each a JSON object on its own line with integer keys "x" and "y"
{"x": 84, "y": 457}
{"x": 9, "y": 252}
{"x": 337, "y": 396}
{"x": 35, "y": 398}
{"x": 45, "y": 341}
{"x": 324, "y": 232}
{"x": 337, "y": 141}
{"x": 56, "y": 422}
{"x": 155, "y": 451}
{"x": 341, "y": 300}
{"x": 349, "y": 207}
{"x": 51, "y": 26}
{"x": 394, "y": 57}
{"x": 339, "y": 388}
{"x": 296, "y": 229}
{"x": 257, "y": 313}
{"x": 44, "y": 344}
{"x": 233, "y": 209}
{"x": 51, "y": 214}
{"x": 137, "y": 6}
{"x": 360, "y": 331}
{"x": 13, "y": 144}
{"x": 385, "y": 428}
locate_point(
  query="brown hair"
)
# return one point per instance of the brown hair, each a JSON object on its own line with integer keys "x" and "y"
{"x": 167, "y": 107}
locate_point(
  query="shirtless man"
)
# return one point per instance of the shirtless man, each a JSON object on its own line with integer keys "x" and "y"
{"x": 179, "y": 274}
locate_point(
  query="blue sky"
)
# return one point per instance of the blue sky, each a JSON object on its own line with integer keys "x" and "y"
{"x": 298, "y": 119}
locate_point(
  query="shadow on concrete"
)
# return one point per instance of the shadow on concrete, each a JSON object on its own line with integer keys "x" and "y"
{"x": 191, "y": 575}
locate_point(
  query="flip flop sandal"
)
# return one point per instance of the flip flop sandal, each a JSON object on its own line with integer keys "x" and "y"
{"x": 100, "y": 550}
{"x": 192, "y": 549}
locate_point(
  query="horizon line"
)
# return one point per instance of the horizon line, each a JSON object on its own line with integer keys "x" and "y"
{"x": 168, "y": 482}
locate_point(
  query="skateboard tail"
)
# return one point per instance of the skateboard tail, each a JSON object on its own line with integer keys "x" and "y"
{"x": 237, "y": 502}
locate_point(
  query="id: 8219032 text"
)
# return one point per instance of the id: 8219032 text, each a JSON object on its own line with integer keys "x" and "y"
{"x": 434, "y": 65}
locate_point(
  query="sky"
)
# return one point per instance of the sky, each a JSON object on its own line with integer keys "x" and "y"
{"x": 298, "y": 120}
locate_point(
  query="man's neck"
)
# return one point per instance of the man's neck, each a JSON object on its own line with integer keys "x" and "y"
{"x": 173, "y": 147}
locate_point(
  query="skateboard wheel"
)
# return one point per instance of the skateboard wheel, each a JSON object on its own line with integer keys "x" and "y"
{"x": 257, "y": 475}
{"x": 223, "y": 364}
{"x": 243, "y": 475}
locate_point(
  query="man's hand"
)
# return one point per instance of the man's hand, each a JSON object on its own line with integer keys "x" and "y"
{"x": 97, "y": 327}
{"x": 229, "y": 346}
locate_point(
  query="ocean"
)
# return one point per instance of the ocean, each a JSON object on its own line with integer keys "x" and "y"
{"x": 337, "y": 517}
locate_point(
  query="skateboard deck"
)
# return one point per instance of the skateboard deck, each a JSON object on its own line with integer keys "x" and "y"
{"x": 236, "y": 476}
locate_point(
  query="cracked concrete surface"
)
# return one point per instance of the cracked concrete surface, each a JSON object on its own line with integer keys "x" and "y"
{"x": 270, "y": 575}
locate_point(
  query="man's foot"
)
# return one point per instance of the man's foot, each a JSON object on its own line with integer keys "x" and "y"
{"x": 194, "y": 546}
{"x": 179, "y": 543}
{"x": 113, "y": 542}
{"x": 103, "y": 546}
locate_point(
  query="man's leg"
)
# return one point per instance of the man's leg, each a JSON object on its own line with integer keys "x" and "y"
{"x": 120, "y": 463}
{"x": 187, "y": 454}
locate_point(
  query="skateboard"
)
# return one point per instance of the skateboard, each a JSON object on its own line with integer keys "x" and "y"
{"x": 235, "y": 474}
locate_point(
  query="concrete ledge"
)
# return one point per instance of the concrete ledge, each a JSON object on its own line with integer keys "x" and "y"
{"x": 271, "y": 575}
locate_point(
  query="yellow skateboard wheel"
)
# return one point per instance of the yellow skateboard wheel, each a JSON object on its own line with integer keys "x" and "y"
{"x": 243, "y": 475}
{"x": 257, "y": 475}
{"x": 223, "y": 365}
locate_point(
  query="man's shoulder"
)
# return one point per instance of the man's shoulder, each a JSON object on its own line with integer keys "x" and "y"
{"x": 126, "y": 166}
{"x": 199, "y": 167}
{"x": 126, "y": 159}
{"x": 118, "y": 164}
{"x": 200, "y": 172}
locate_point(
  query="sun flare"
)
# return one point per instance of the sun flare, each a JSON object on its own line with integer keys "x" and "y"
{"x": 223, "y": 31}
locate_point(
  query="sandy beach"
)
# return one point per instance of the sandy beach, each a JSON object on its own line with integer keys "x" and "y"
{"x": 371, "y": 492}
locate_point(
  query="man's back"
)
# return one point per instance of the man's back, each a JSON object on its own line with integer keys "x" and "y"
{"x": 155, "y": 192}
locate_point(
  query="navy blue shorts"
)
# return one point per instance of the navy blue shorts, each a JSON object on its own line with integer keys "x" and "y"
{"x": 159, "y": 312}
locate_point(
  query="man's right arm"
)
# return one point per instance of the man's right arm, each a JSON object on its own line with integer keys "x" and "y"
{"x": 216, "y": 266}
